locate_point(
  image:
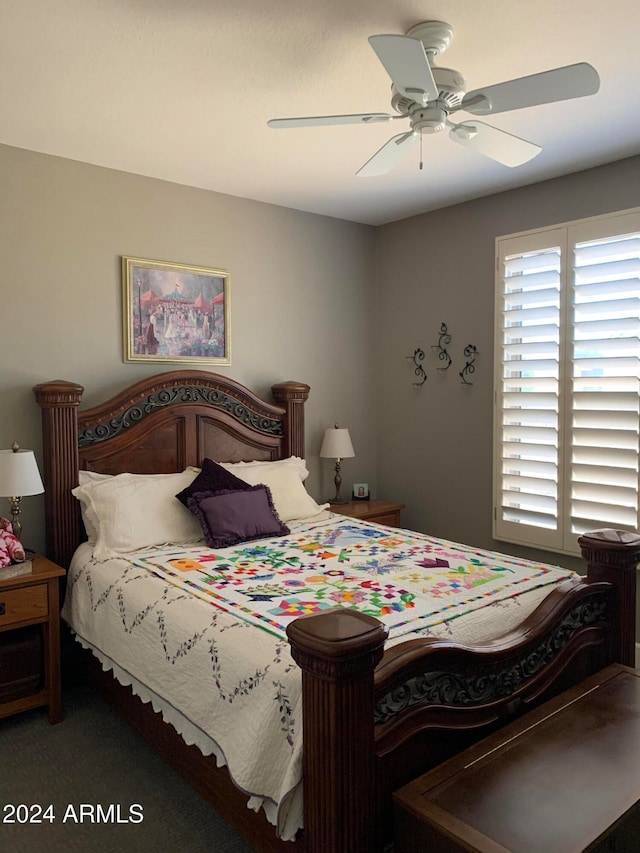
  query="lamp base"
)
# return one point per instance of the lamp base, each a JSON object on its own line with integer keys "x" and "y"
{"x": 337, "y": 482}
{"x": 16, "y": 525}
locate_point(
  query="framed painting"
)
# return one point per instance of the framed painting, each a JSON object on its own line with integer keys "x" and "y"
{"x": 175, "y": 313}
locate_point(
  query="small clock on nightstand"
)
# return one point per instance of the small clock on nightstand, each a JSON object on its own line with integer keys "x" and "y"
{"x": 382, "y": 512}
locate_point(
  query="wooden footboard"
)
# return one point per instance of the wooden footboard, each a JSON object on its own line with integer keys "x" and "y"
{"x": 373, "y": 722}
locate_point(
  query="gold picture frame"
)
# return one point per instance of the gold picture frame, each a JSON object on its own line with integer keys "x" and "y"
{"x": 175, "y": 313}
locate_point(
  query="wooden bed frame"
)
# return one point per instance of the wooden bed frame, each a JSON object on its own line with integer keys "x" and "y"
{"x": 372, "y": 720}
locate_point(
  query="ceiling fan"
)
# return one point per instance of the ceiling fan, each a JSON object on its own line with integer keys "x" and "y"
{"x": 427, "y": 95}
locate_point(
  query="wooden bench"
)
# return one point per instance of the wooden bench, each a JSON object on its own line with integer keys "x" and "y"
{"x": 562, "y": 779}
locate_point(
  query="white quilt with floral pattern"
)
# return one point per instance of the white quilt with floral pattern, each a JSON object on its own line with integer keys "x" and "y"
{"x": 230, "y": 687}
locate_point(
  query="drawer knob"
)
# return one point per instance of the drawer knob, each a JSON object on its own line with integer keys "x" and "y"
{"x": 1, "y": 608}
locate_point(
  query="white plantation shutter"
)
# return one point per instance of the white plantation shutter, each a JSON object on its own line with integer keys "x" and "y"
{"x": 567, "y": 422}
{"x": 528, "y": 389}
{"x": 605, "y": 375}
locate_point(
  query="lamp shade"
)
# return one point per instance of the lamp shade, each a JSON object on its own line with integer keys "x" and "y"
{"x": 19, "y": 474}
{"x": 336, "y": 444}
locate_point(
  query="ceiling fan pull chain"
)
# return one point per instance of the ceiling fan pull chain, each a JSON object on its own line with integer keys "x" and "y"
{"x": 421, "y": 163}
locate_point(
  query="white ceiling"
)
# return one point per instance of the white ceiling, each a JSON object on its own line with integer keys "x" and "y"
{"x": 182, "y": 90}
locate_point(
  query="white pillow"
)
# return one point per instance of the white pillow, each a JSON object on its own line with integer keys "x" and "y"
{"x": 294, "y": 462}
{"x": 290, "y": 498}
{"x": 133, "y": 511}
{"x": 85, "y": 477}
{"x": 88, "y": 516}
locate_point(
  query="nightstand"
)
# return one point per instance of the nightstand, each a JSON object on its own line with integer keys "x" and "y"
{"x": 382, "y": 512}
{"x": 33, "y": 599}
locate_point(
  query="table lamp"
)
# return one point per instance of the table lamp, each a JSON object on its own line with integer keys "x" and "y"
{"x": 337, "y": 445}
{"x": 19, "y": 475}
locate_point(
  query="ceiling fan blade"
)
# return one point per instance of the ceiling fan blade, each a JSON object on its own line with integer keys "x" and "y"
{"x": 318, "y": 121}
{"x": 388, "y": 156}
{"x": 494, "y": 143}
{"x": 406, "y": 62}
{"x": 559, "y": 84}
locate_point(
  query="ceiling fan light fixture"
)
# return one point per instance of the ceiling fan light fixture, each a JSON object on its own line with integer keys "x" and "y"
{"x": 431, "y": 119}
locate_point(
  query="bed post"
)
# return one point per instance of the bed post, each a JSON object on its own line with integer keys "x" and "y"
{"x": 292, "y": 397}
{"x": 338, "y": 651}
{"x": 59, "y": 402}
{"x": 612, "y": 556}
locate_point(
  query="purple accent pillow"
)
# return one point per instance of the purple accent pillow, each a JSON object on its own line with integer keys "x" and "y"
{"x": 212, "y": 478}
{"x": 229, "y": 517}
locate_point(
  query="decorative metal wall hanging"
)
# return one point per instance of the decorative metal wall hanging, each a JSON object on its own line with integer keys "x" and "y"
{"x": 441, "y": 348}
{"x": 470, "y": 353}
{"x": 419, "y": 370}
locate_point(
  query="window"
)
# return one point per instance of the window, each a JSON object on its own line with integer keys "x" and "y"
{"x": 567, "y": 382}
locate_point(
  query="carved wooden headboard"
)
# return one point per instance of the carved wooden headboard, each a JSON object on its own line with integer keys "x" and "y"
{"x": 157, "y": 426}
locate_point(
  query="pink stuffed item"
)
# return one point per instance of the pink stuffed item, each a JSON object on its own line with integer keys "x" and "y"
{"x": 11, "y": 551}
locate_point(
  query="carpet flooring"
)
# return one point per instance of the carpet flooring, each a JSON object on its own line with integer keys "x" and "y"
{"x": 92, "y": 757}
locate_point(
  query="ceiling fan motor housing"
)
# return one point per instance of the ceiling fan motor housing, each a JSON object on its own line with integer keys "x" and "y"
{"x": 451, "y": 86}
{"x": 451, "y": 90}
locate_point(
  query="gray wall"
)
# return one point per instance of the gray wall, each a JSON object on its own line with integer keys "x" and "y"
{"x": 300, "y": 298}
{"x": 320, "y": 300}
{"x": 435, "y": 442}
